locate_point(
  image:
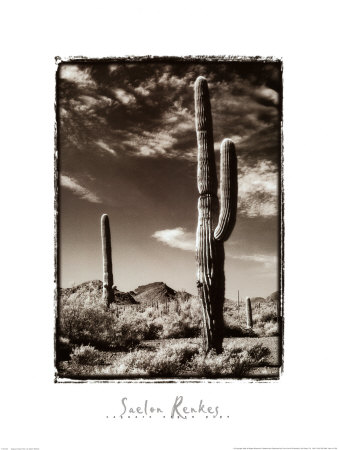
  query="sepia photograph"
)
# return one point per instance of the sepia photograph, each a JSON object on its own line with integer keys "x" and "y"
{"x": 169, "y": 225}
{"x": 169, "y": 218}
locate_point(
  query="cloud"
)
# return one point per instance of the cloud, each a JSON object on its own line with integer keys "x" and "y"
{"x": 151, "y": 143}
{"x": 258, "y": 190}
{"x": 78, "y": 190}
{"x": 142, "y": 91}
{"x": 90, "y": 103}
{"x": 172, "y": 81}
{"x": 106, "y": 147}
{"x": 269, "y": 261}
{"x": 148, "y": 111}
{"x": 146, "y": 87}
{"x": 248, "y": 112}
{"x": 176, "y": 238}
{"x": 166, "y": 140}
{"x": 112, "y": 67}
{"x": 268, "y": 95}
{"x": 124, "y": 97}
{"x": 75, "y": 74}
{"x": 152, "y": 105}
{"x": 179, "y": 118}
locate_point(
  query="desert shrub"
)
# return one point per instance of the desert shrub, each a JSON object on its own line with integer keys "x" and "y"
{"x": 84, "y": 319}
{"x": 229, "y": 363}
{"x": 169, "y": 360}
{"x": 174, "y": 326}
{"x": 268, "y": 316}
{"x": 271, "y": 329}
{"x": 183, "y": 296}
{"x": 184, "y": 322}
{"x": 189, "y": 318}
{"x": 83, "y": 322}
{"x": 258, "y": 354}
{"x": 154, "y": 331}
{"x": 235, "y": 361}
{"x": 238, "y": 331}
{"x": 266, "y": 329}
{"x": 236, "y": 321}
{"x": 130, "y": 328}
{"x": 87, "y": 355}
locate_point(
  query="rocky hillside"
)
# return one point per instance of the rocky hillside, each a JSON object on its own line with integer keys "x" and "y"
{"x": 275, "y": 297}
{"x": 94, "y": 289}
{"x": 255, "y": 300}
{"x": 124, "y": 298}
{"x": 272, "y": 298}
{"x": 153, "y": 292}
{"x": 157, "y": 292}
{"x": 88, "y": 287}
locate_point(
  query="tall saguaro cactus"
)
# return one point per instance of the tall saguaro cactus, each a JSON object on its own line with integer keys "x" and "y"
{"x": 107, "y": 282}
{"x": 211, "y": 231}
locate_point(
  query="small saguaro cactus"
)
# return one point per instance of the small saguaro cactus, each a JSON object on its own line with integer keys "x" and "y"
{"x": 249, "y": 313}
{"x": 107, "y": 282}
{"x": 211, "y": 231}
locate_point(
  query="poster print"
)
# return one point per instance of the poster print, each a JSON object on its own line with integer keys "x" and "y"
{"x": 169, "y": 219}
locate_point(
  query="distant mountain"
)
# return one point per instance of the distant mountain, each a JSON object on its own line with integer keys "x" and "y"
{"x": 255, "y": 300}
{"x": 124, "y": 298}
{"x": 275, "y": 297}
{"x": 94, "y": 290}
{"x": 87, "y": 287}
{"x": 153, "y": 292}
{"x": 158, "y": 292}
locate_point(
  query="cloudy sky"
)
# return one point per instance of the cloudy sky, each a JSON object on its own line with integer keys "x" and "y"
{"x": 127, "y": 147}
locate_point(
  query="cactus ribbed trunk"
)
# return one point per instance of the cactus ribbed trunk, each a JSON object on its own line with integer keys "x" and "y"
{"x": 249, "y": 313}
{"x": 107, "y": 282}
{"x": 212, "y": 233}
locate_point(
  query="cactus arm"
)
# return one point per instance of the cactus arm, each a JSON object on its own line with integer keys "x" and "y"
{"x": 228, "y": 191}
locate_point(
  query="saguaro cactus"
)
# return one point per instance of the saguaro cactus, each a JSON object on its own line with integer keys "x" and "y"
{"x": 249, "y": 313}
{"x": 211, "y": 232}
{"x": 107, "y": 282}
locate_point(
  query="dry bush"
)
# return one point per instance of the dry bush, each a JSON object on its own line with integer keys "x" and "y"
{"x": 167, "y": 361}
{"x": 83, "y": 322}
{"x": 86, "y": 320}
{"x": 87, "y": 355}
{"x": 235, "y": 361}
{"x": 170, "y": 360}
